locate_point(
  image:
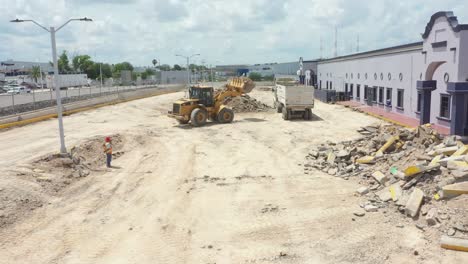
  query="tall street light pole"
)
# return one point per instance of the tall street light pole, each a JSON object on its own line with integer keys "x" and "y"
{"x": 52, "y": 31}
{"x": 188, "y": 64}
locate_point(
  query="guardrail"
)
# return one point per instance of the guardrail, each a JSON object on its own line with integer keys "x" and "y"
{"x": 11, "y": 104}
{"x": 49, "y": 111}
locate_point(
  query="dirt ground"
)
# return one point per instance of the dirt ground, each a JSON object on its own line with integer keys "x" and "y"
{"x": 223, "y": 193}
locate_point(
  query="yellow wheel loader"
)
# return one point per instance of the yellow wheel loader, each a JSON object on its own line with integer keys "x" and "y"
{"x": 205, "y": 103}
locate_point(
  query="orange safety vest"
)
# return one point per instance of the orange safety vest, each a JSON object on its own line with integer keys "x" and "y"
{"x": 107, "y": 148}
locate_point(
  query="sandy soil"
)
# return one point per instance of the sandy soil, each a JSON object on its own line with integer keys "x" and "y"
{"x": 232, "y": 193}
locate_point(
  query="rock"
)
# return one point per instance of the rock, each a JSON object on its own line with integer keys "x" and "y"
{"x": 363, "y": 190}
{"x": 332, "y": 171}
{"x": 384, "y": 194}
{"x": 66, "y": 162}
{"x": 331, "y": 158}
{"x": 38, "y": 170}
{"x": 380, "y": 177}
{"x": 400, "y": 225}
{"x": 450, "y": 141}
{"x": 350, "y": 168}
{"x": 371, "y": 208}
{"x": 342, "y": 154}
{"x": 431, "y": 217}
{"x": 414, "y": 202}
{"x": 460, "y": 228}
{"x": 359, "y": 213}
{"x": 314, "y": 154}
{"x": 83, "y": 173}
{"x": 455, "y": 189}
{"x": 420, "y": 226}
{"x": 451, "y": 232}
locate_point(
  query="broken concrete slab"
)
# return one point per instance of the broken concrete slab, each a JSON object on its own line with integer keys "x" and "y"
{"x": 431, "y": 217}
{"x": 371, "y": 208}
{"x": 444, "y": 162}
{"x": 380, "y": 177}
{"x": 384, "y": 194}
{"x": 331, "y": 158}
{"x": 456, "y": 189}
{"x": 461, "y": 151}
{"x": 446, "y": 151}
{"x": 387, "y": 145}
{"x": 396, "y": 192}
{"x": 414, "y": 202}
{"x": 363, "y": 190}
{"x": 436, "y": 160}
{"x": 457, "y": 165}
{"x": 366, "y": 160}
{"x": 453, "y": 243}
{"x": 414, "y": 170}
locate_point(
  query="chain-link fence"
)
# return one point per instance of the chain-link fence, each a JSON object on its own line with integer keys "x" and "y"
{"x": 11, "y": 104}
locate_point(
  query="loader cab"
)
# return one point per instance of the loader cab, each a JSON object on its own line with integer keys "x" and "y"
{"x": 204, "y": 94}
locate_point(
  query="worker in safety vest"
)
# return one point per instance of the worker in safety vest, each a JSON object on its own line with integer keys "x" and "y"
{"x": 108, "y": 150}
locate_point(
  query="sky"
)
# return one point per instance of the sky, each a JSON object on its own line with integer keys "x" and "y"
{"x": 221, "y": 31}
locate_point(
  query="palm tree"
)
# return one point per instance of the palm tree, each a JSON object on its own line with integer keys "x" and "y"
{"x": 35, "y": 73}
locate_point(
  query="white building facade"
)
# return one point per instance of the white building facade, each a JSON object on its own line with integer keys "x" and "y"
{"x": 427, "y": 80}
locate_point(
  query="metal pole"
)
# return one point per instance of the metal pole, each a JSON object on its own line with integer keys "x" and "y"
{"x": 100, "y": 72}
{"x": 63, "y": 149}
{"x": 188, "y": 71}
{"x": 13, "y": 102}
{"x": 34, "y": 98}
{"x": 211, "y": 75}
{"x": 42, "y": 82}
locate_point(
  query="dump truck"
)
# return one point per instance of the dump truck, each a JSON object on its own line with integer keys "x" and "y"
{"x": 293, "y": 100}
{"x": 205, "y": 103}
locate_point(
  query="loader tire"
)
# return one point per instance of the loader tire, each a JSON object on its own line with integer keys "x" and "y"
{"x": 226, "y": 115}
{"x": 286, "y": 113}
{"x": 198, "y": 117}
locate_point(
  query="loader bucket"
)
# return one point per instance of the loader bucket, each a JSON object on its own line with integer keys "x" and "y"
{"x": 249, "y": 85}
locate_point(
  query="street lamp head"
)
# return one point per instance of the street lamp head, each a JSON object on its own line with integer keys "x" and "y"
{"x": 17, "y": 20}
{"x": 86, "y": 19}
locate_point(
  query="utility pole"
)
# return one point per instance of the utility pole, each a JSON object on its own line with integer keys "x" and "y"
{"x": 357, "y": 48}
{"x": 188, "y": 64}
{"x": 321, "y": 47}
{"x": 52, "y": 32}
{"x": 336, "y": 42}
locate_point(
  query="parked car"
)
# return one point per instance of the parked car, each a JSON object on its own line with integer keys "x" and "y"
{"x": 19, "y": 90}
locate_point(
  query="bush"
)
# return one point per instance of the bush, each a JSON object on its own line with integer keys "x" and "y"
{"x": 255, "y": 76}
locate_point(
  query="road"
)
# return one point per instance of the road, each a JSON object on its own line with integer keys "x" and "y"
{"x": 44, "y": 94}
{"x": 223, "y": 193}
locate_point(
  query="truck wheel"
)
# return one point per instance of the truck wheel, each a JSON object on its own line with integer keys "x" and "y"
{"x": 286, "y": 113}
{"x": 226, "y": 115}
{"x": 279, "y": 108}
{"x": 310, "y": 113}
{"x": 198, "y": 117}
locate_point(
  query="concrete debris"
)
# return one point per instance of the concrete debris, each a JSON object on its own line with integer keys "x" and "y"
{"x": 431, "y": 217}
{"x": 454, "y": 243}
{"x": 371, "y": 208}
{"x": 363, "y": 190}
{"x": 451, "y": 232}
{"x": 380, "y": 177}
{"x": 246, "y": 103}
{"x": 414, "y": 202}
{"x": 402, "y": 169}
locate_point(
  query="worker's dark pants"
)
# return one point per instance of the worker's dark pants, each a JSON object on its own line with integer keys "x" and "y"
{"x": 109, "y": 159}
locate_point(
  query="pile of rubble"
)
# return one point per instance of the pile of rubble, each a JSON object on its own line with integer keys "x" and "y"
{"x": 417, "y": 172}
{"x": 246, "y": 103}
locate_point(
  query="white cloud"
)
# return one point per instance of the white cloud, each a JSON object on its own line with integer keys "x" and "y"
{"x": 221, "y": 30}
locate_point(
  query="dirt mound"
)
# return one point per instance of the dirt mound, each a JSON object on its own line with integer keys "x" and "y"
{"x": 246, "y": 103}
{"x": 414, "y": 164}
{"x": 29, "y": 187}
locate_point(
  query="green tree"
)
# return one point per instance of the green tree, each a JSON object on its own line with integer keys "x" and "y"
{"x": 119, "y": 67}
{"x": 82, "y": 63}
{"x": 35, "y": 73}
{"x": 164, "y": 67}
{"x": 63, "y": 63}
{"x": 177, "y": 67}
{"x": 269, "y": 78}
{"x": 147, "y": 73}
{"x": 255, "y": 76}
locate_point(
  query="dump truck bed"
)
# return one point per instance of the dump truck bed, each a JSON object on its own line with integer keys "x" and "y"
{"x": 295, "y": 96}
